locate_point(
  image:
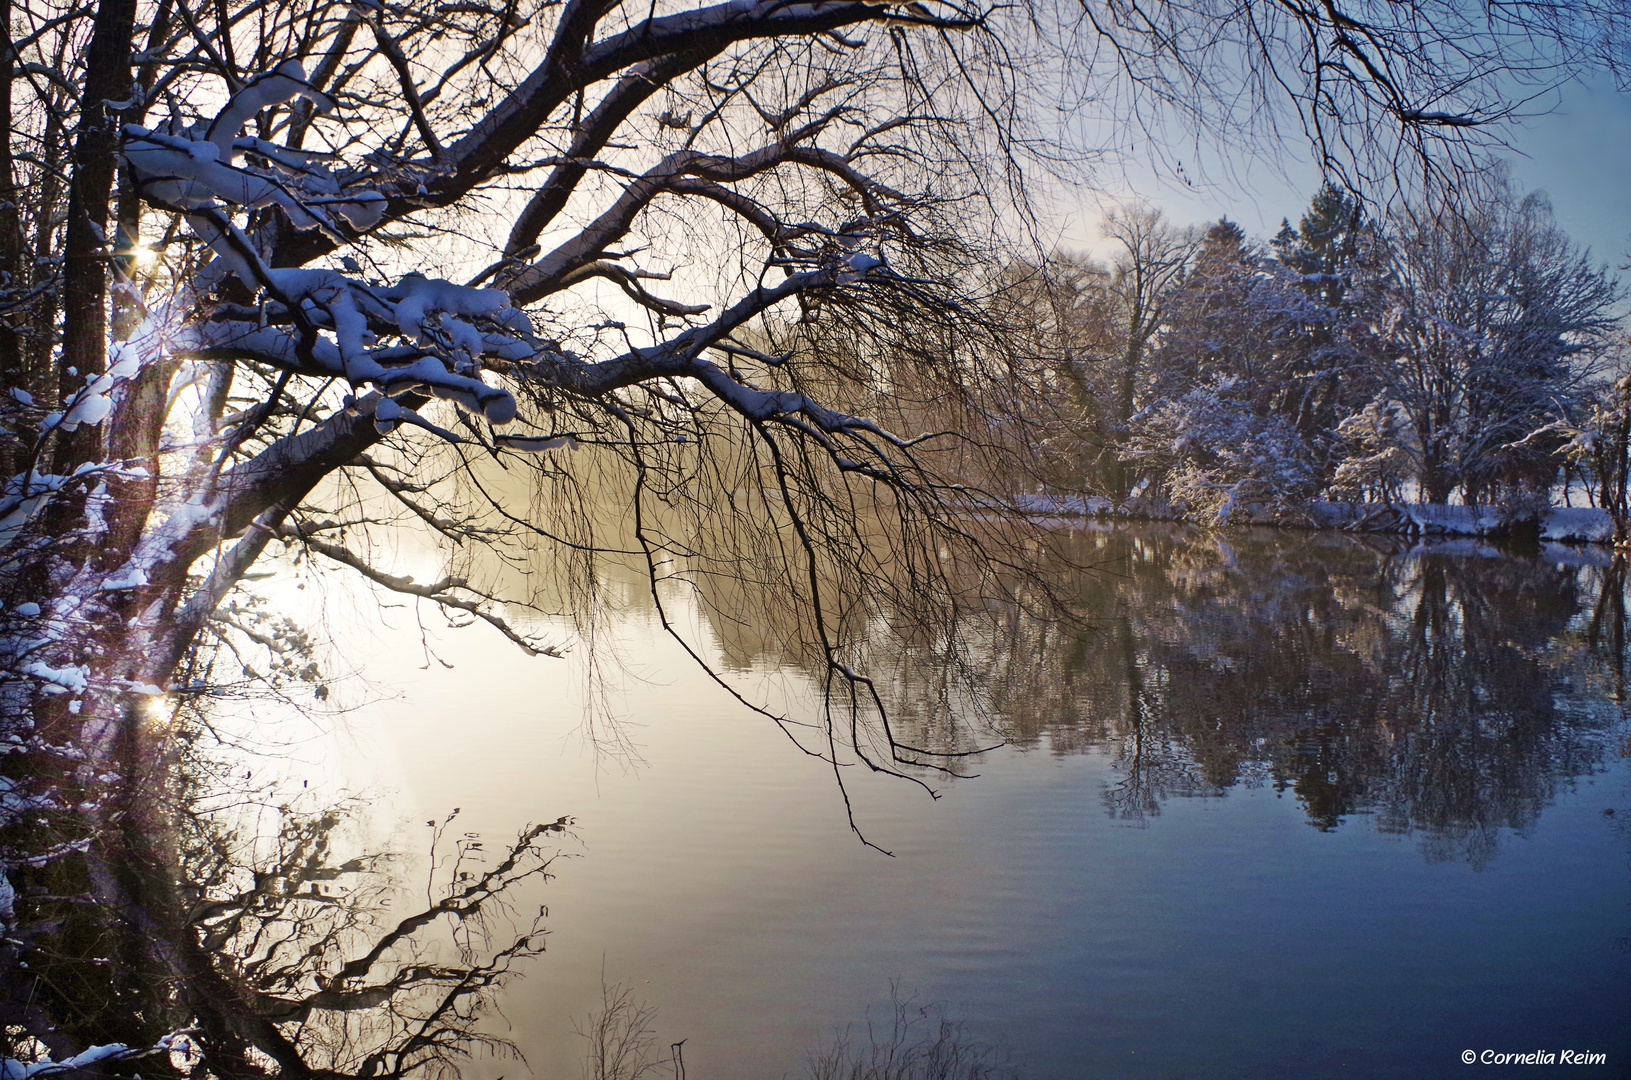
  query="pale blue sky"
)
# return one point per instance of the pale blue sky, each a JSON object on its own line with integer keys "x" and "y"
{"x": 1581, "y": 156}
{"x": 1579, "y": 153}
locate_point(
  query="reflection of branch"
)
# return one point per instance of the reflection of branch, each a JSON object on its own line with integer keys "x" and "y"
{"x": 460, "y": 903}
{"x": 620, "y": 1035}
{"x": 266, "y": 957}
{"x": 442, "y": 592}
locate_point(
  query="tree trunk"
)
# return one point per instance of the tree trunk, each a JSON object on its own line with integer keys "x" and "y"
{"x": 11, "y": 234}
{"x": 86, "y": 263}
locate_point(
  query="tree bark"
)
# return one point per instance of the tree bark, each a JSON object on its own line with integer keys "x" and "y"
{"x": 11, "y": 234}
{"x": 86, "y": 263}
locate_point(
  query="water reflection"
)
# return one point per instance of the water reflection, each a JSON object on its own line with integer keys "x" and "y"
{"x": 208, "y": 924}
{"x": 1448, "y": 693}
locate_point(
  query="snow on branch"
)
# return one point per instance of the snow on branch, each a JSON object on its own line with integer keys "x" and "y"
{"x": 196, "y": 167}
{"x": 318, "y": 321}
{"x": 681, "y": 357}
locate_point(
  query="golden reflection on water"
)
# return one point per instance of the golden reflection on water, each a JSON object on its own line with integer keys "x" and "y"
{"x": 1367, "y": 690}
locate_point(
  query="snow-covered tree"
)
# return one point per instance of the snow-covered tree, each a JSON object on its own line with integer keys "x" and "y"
{"x": 1450, "y": 351}
{"x": 1328, "y": 244}
{"x": 1492, "y": 324}
{"x": 1596, "y": 441}
{"x": 1147, "y": 265}
{"x": 1230, "y": 383}
{"x": 1374, "y": 461}
{"x": 1215, "y": 452}
{"x": 1086, "y": 327}
{"x": 1342, "y": 260}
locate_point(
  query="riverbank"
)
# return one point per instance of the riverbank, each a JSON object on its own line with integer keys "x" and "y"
{"x": 1561, "y": 524}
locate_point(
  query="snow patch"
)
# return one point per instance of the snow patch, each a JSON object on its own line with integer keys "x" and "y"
{"x": 530, "y": 444}
{"x": 129, "y": 577}
{"x": 72, "y": 677}
{"x": 1583, "y": 524}
{"x": 12, "y": 1069}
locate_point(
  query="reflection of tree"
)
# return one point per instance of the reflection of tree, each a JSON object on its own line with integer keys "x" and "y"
{"x": 1605, "y": 634}
{"x": 1478, "y": 742}
{"x": 1154, "y": 765}
{"x": 1419, "y": 687}
{"x": 275, "y": 951}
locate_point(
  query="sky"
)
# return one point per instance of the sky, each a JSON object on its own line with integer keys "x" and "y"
{"x": 1579, "y": 153}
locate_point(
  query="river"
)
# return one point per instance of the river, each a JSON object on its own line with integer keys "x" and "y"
{"x": 1283, "y": 804}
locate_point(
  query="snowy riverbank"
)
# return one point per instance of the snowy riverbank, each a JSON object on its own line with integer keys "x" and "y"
{"x": 1562, "y": 524}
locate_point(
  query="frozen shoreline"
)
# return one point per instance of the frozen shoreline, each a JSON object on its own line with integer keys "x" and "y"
{"x": 1562, "y": 524}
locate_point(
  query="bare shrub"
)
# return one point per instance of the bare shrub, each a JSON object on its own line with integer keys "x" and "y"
{"x": 916, "y": 1042}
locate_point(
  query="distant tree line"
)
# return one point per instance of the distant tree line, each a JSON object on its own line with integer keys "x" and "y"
{"x": 1461, "y": 353}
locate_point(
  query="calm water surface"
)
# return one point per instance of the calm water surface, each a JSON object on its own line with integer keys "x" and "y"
{"x": 1292, "y": 805}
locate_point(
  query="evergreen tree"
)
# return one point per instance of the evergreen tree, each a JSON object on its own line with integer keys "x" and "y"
{"x": 1217, "y": 431}
{"x": 1327, "y": 243}
{"x": 1337, "y": 254}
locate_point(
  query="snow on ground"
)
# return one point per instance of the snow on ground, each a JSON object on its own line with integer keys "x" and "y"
{"x": 1563, "y": 524}
{"x": 1578, "y": 523}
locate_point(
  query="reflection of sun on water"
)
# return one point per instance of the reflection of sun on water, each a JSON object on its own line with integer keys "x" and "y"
{"x": 719, "y": 876}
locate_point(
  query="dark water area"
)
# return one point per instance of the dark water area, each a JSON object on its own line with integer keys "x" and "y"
{"x": 1278, "y": 804}
{"x": 1445, "y": 692}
